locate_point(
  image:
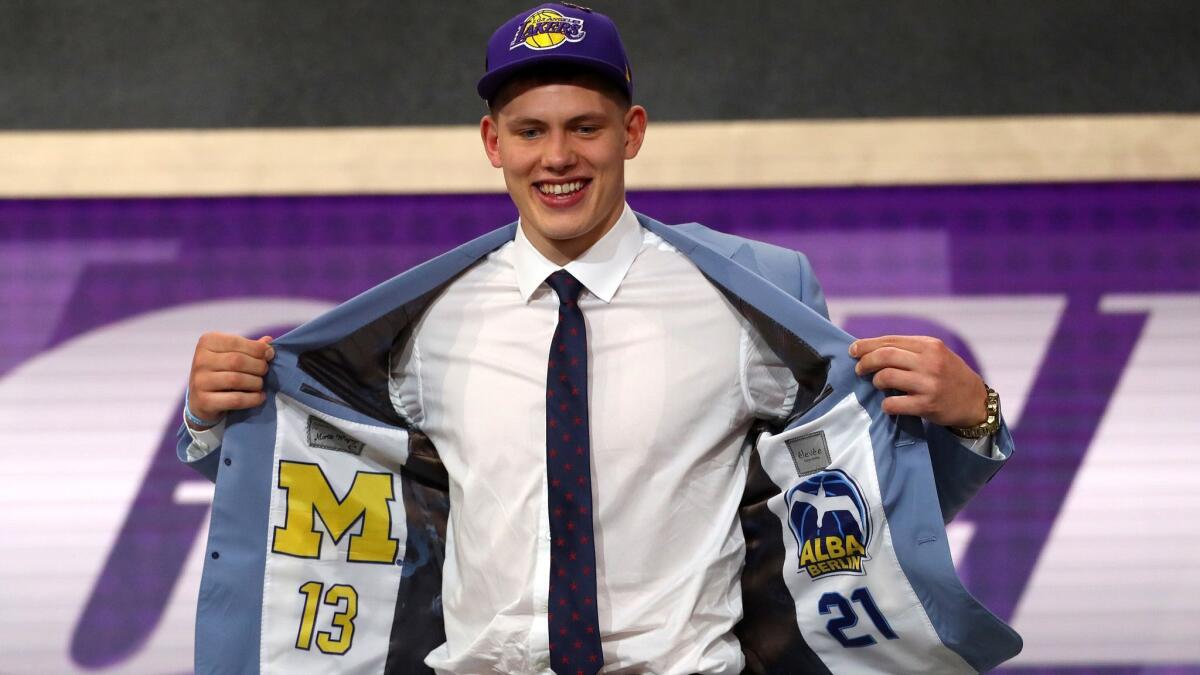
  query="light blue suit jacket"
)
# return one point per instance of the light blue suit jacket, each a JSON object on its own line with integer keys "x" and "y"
{"x": 338, "y": 364}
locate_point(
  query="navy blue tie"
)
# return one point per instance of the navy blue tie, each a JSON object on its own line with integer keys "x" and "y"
{"x": 573, "y": 620}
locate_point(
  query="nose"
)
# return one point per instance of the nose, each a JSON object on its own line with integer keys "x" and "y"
{"x": 558, "y": 155}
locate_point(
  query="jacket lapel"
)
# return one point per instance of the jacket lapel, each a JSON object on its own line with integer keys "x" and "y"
{"x": 814, "y": 348}
{"x": 370, "y": 322}
{"x": 393, "y": 294}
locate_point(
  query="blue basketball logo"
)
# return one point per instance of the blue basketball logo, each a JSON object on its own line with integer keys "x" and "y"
{"x": 831, "y": 521}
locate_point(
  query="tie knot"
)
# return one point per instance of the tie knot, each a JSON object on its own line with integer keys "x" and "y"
{"x": 567, "y": 286}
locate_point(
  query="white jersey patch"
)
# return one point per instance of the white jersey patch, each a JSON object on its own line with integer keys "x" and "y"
{"x": 854, "y": 605}
{"x": 337, "y": 530}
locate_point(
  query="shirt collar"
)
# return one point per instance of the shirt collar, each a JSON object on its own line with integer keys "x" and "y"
{"x": 600, "y": 269}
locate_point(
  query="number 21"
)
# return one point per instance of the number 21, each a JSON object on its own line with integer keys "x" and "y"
{"x": 848, "y": 618}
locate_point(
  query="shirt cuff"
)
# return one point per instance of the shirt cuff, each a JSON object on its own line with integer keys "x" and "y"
{"x": 204, "y": 442}
{"x": 985, "y": 447}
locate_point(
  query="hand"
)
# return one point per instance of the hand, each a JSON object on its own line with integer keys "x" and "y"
{"x": 227, "y": 374}
{"x": 936, "y": 383}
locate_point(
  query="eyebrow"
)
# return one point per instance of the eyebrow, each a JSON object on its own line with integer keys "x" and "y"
{"x": 533, "y": 121}
{"x": 586, "y": 117}
{"x": 523, "y": 122}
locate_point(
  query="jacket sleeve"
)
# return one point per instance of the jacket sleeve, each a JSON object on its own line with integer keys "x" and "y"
{"x": 958, "y": 471}
{"x": 206, "y": 465}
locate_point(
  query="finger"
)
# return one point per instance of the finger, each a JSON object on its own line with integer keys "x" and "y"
{"x": 227, "y": 342}
{"x": 888, "y": 357}
{"x": 233, "y": 362}
{"x": 900, "y": 380}
{"x": 903, "y": 405}
{"x": 266, "y": 339}
{"x": 912, "y": 343}
{"x": 216, "y": 381}
{"x": 234, "y": 400}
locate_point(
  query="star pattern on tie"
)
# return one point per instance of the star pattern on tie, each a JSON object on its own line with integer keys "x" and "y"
{"x": 572, "y": 617}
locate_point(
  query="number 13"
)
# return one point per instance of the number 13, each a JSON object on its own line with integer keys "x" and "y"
{"x": 343, "y": 619}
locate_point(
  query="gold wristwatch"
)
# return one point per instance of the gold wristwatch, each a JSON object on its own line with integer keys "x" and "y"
{"x": 989, "y": 426}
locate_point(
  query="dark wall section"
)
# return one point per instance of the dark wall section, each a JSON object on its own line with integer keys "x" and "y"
{"x": 70, "y": 64}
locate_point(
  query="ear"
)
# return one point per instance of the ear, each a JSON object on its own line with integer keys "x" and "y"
{"x": 635, "y": 130}
{"x": 490, "y": 133}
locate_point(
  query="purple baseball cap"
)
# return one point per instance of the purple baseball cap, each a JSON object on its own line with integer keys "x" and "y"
{"x": 555, "y": 33}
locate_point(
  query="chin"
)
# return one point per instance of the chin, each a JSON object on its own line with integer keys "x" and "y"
{"x": 565, "y": 231}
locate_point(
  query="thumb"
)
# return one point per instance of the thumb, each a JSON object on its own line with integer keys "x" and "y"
{"x": 266, "y": 339}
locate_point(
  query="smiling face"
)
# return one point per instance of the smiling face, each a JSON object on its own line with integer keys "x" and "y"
{"x": 562, "y": 146}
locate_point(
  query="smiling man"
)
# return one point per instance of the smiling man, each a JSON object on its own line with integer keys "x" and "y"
{"x": 620, "y": 407}
{"x": 562, "y": 136}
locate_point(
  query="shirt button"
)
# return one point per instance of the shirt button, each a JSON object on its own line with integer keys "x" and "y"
{"x": 228, "y": 461}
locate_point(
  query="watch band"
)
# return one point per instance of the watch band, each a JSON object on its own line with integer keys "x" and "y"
{"x": 989, "y": 426}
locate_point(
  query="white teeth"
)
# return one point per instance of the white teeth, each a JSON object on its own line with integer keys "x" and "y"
{"x": 560, "y": 188}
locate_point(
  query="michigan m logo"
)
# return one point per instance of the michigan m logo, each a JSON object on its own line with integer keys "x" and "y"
{"x": 309, "y": 496}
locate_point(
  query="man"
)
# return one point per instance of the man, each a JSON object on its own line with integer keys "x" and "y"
{"x": 593, "y": 495}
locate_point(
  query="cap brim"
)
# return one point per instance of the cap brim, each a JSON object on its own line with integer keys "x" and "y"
{"x": 492, "y": 82}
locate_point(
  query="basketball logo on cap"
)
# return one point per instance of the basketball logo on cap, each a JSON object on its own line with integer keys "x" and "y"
{"x": 547, "y": 29}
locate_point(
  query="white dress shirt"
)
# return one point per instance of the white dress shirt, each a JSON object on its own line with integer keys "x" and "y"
{"x": 676, "y": 376}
